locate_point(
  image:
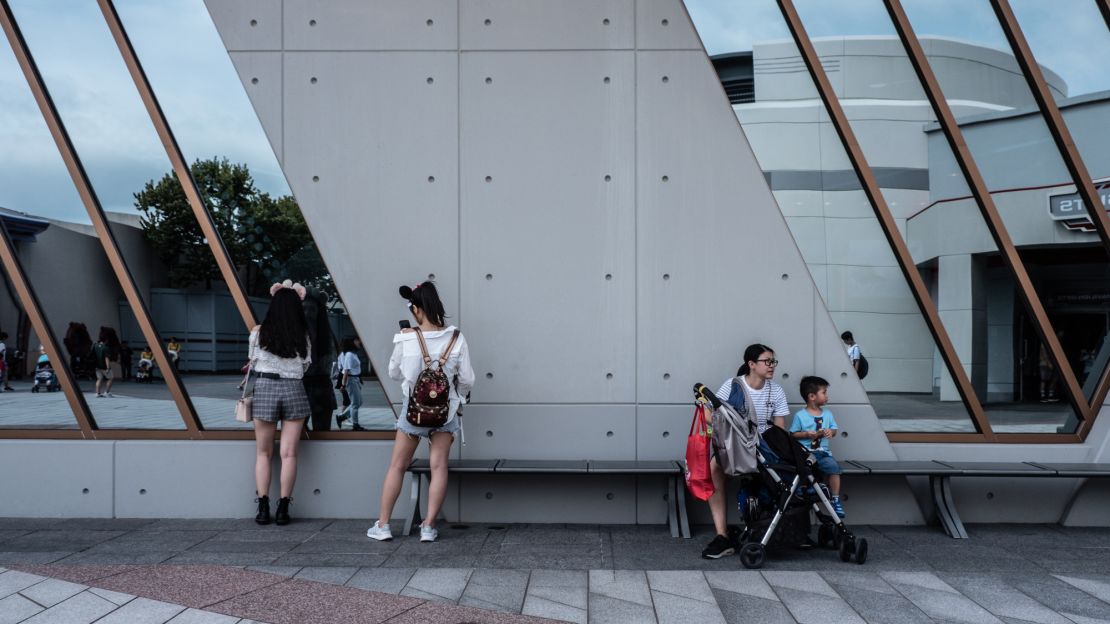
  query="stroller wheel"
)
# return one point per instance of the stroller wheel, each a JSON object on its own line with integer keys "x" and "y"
{"x": 826, "y": 537}
{"x": 847, "y": 546}
{"x": 861, "y": 550}
{"x": 753, "y": 555}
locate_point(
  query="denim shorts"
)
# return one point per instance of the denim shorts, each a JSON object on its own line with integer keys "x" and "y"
{"x": 452, "y": 426}
{"x": 825, "y": 462}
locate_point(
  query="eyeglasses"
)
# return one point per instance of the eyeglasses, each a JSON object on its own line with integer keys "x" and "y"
{"x": 769, "y": 362}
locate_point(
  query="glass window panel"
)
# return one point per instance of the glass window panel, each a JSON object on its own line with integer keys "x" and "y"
{"x": 821, "y": 196}
{"x": 258, "y": 218}
{"x": 1026, "y": 175}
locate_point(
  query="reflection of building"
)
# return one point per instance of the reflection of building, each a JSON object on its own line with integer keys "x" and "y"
{"x": 836, "y": 230}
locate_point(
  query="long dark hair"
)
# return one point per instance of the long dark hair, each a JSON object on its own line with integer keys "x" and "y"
{"x": 752, "y": 354}
{"x": 284, "y": 330}
{"x": 108, "y": 336}
{"x": 426, "y": 297}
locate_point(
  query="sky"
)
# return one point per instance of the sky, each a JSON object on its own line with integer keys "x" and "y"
{"x": 211, "y": 115}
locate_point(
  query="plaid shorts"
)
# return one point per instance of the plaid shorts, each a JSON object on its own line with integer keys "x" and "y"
{"x": 279, "y": 399}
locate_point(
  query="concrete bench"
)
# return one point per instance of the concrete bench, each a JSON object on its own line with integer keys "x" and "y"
{"x": 677, "y": 518}
{"x": 940, "y": 478}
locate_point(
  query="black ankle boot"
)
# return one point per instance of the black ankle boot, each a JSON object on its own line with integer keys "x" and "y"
{"x": 263, "y": 516}
{"x": 281, "y": 518}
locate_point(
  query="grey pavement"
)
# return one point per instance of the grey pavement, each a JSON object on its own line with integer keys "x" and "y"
{"x": 596, "y": 573}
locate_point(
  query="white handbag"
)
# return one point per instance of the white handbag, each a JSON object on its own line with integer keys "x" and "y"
{"x": 245, "y": 404}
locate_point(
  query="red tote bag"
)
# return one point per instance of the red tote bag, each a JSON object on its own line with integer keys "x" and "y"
{"x": 698, "y": 453}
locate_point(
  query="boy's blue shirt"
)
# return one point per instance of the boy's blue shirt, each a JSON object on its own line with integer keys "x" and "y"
{"x": 804, "y": 421}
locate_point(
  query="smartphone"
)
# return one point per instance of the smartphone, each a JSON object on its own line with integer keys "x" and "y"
{"x": 404, "y": 324}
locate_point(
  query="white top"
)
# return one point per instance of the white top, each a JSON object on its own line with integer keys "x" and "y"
{"x": 262, "y": 361}
{"x": 770, "y": 400}
{"x": 853, "y": 352}
{"x": 406, "y": 363}
{"x": 349, "y": 363}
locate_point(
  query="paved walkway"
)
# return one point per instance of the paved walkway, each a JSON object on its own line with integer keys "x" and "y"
{"x": 579, "y": 573}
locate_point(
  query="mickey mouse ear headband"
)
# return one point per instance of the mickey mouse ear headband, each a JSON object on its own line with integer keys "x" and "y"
{"x": 297, "y": 288}
{"x": 406, "y": 293}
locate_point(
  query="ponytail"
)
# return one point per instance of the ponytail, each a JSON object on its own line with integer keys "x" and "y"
{"x": 751, "y": 354}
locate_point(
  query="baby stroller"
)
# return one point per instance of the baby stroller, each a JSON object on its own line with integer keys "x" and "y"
{"x": 45, "y": 378}
{"x": 145, "y": 372}
{"x": 775, "y": 501}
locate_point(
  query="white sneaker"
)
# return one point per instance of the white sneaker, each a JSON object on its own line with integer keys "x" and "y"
{"x": 379, "y": 532}
{"x": 428, "y": 534}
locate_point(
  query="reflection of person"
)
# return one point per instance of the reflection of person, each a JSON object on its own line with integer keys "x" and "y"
{"x": 105, "y": 353}
{"x": 43, "y": 357}
{"x": 280, "y": 353}
{"x": 317, "y": 379}
{"x": 174, "y": 349}
{"x": 853, "y": 349}
{"x": 813, "y": 426}
{"x": 125, "y": 360}
{"x": 4, "y": 363}
{"x": 1047, "y": 372}
{"x": 1087, "y": 363}
{"x": 350, "y": 369}
{"x": 405, "y": 366}
{"x": 769, "y": 402}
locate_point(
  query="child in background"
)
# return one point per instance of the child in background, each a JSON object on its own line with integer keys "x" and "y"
{"x": 812, "y": 427}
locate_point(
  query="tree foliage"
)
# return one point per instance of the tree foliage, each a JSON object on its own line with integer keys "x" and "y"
{"x": 266, "y": 237}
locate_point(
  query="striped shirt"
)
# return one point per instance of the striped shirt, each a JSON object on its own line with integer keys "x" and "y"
{"x": 770, "y": 400}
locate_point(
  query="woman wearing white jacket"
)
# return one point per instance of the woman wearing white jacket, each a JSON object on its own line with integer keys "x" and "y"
{"x": 405, "y": 366}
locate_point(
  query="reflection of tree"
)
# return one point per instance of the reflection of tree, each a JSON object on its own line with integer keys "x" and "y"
{"x": 267, "y": 238}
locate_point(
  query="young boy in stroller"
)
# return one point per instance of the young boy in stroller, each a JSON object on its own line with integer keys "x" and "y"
{"x": 776, "y": 499}
{"x": 44, "y": 375}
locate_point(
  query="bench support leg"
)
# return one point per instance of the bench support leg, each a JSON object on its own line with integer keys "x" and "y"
{"x": 414, "y": 504}
{"x": 941, "y": 486}
{"x": 680, "y": 502}
{"x": 672, "y": 507}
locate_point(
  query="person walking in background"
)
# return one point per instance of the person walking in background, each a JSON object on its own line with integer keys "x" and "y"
{"x": 5, "y": 387}
{"x": 853, "y": 350}
{"x": 350, "y": 380}
{"x": 280, "y": 352}
{"x": 125, "y": 360}
{"x": 443, "y": 344}
{"x": 105, "y": 355}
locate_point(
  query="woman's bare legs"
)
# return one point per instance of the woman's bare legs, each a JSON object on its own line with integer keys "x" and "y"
{"x": 717, "y": 500}
{"x": 290, "y": 439}
{"x": 403, "y": 448}
{"x": 437, "y": 487}
{"x": 264, "y": 450}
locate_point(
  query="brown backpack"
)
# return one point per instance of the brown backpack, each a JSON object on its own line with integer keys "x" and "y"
{"x": 430, "y": 399}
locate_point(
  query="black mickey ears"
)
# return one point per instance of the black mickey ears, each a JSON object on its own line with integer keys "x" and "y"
{"x": 406, "y": 293}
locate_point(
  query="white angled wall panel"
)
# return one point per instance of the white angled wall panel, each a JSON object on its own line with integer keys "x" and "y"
{"x": 371, "y": 152}
{"x": 664, "y": 25}
{"x": 548, "y": 260}
{"x": 394, "y": 25}
{"x": 247, "y": 24}
{"x": 545, "y": 25}
{"x": 261, "y": 76}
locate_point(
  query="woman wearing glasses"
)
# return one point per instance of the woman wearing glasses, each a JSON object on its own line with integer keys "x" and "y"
{"x": 770, "y": 405}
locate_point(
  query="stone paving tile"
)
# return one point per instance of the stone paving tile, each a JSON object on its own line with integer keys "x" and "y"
{"x": 194, "y": 524}
{"x": 438, "y": 583}
{"x": 1001, "y": 599}
{"x": 193, "y": 557}
{"x": 439, "y": 613}
{"x": 585, "y": 535}
{"x": 874, "y": 599}
{"x": 499, "y": 590}
{"x": 673, "y": 609}
{"x": 627, "y": 585}
{"x": 247, "y": 541}
{"x": 815, "y": 608}
{"x": 1097, "y": 587}
{"x": 52, "y": 591}
{"x": 558, "y": 594}
{"x": 7, "y": 534}
{"x": 325, "y": 559}
{"x": 386, "y": 580}
{"x": 79, "y": 609}
{"x": 191, "y": 586}
{"x": 14, "y": 581}
{"x": 115, "y": 598}
{"x": 345, "y": 544}
{"x": 858, "y": 579}
{"x": 683, "y": 583}
{"x": 28, "y": 524}
{"x": 608, "y": 610}
{"x": 142, "y": 611}
{"x": 937, "y": 599}
{"x": 550, "y": 559}
{"x": 541, "y": 607}
{"x": 105, "y": 524}
{"x": 286, "y": 571}
{"x": 333, "y": 575}
{"x": 116, "y": 558}
{"x": 16, "y": 608}
{"x": 57, "y": 541}
{"x": 745, "y": 582}
{"x": 1059, "y": 596}
{"x": 76, "y": 573}
{"x": 306, "y": 602}
{"x": 744, "y": 609}
{"x": 30, "y": 558}
{"x": 153, "y": 541}
{"x": 196, "y": 616}
{"x": 431, "y": 561}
